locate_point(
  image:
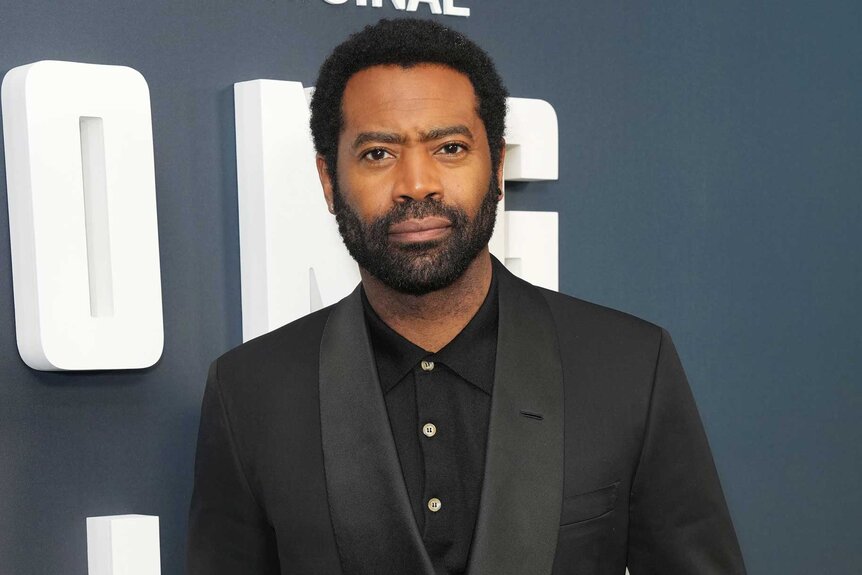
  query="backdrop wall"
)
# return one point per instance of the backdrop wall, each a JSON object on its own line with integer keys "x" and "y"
{"x": 710, "y": 181}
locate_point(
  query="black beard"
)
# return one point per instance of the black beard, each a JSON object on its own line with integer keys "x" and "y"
{"x": 422, "y": 267}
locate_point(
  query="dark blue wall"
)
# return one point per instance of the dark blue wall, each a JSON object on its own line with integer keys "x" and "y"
{"x": 711, "y": 181}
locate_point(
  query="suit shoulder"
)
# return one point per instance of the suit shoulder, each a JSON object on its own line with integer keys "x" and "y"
{"x": 583, "y": 319}
{"x": 294, "y": 343}
{"x": 610, "y": 354}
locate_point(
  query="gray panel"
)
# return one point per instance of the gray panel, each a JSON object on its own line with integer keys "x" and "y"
{"x": 710, "y": 181}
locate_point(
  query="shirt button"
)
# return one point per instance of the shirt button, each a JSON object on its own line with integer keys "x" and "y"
{"x": 435, "y": 505}
{"x": 429, "y": 429}
{"x": 427, "y": 365}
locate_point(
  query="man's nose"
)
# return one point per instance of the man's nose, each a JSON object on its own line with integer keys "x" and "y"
{"x": 418, "y": 177}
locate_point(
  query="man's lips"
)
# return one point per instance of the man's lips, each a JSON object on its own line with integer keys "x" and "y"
{"x": 420, "y": 230}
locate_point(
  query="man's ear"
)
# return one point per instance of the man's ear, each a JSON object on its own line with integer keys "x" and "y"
{"x": 325, "y": 182}
{"x": 500, "y": 167}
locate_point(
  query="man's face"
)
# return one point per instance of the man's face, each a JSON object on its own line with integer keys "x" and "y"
{"x": 414, "y": 197}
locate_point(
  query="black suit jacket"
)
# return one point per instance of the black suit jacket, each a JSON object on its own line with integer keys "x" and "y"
{"x": 596, "y": 456}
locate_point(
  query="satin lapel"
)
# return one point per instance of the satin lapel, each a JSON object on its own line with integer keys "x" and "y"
{"x": 519, "y": 514}
{"x": 368, "y": 503}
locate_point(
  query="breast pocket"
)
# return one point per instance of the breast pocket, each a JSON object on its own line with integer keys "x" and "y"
{"x": 587, "y": 523}
{"x": 591, "y": 505}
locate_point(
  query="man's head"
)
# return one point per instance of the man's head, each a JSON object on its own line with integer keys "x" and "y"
{"x": 408, "y": 119}
{"x": 405, "y": 43}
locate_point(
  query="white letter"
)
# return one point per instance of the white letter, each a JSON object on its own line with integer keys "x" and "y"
{"x": 82, "y": 216}
{"x": 123, "y": 545}
{"x": 531, "y": 141}
{"x": 413, "y": 5}
{"x": 291, "y": 256}
{"x": 527, "y": 242}
{"x": 532, "y": 247}
{"x": 450, "y": 9}
{"x": 335, "y": 1}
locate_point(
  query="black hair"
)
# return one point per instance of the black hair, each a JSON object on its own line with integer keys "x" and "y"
{"x": 405, "y": 42}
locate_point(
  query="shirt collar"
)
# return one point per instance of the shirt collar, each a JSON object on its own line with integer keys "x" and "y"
{"x": 471, "y": 354}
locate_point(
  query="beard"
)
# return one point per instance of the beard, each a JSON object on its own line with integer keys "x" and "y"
{"x": 422, "y": 267}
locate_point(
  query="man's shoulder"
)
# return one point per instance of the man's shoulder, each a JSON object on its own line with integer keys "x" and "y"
{"x": 584, "y": 320}
{"x": 270, "y": 381}
{"x": 290, "y": 346}
{"x": 610, "y": 348}
{"x": 578, "y": 318}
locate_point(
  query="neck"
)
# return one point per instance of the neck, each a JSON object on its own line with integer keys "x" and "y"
{"x": 434, "y": 319}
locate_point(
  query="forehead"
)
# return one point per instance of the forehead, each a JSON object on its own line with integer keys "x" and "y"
{"x": 394, "y": 97}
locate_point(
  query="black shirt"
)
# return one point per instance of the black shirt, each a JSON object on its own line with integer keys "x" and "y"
{"x": 451, "y": 390}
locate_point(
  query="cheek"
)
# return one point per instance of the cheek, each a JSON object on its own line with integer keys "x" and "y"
{"x": 369, "y": 211}
{"x": 367, "y": 197}
{"x": 370, "y": 207}
{"x": 469, "y": 193}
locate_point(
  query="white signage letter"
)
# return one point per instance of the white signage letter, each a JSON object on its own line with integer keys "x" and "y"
{"x": 450, "y": 9}
{"x": 413, "y": 5}
{"x": 82, "y": 216}
{"x": 528, "y": 242}
{"x": 123, "y": 545}
{"x": 291, "y": 256}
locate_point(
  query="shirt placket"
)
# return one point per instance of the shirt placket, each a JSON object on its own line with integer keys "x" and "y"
{"x": 433, "y": 435}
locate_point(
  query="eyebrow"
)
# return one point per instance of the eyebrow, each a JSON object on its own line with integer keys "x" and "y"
{"x": 445, "y": 132}
{"x": 380, "y": 137}
{"x": 429, "y": 136}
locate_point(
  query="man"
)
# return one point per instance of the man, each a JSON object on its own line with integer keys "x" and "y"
{"x": 446, "y": 417}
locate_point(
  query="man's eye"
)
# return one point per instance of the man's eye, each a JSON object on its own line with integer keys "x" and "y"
{"x": 452, "y": 149}
{"x": 376, "y": 154}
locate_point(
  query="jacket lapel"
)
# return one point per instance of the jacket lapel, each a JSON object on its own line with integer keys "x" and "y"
{"x": 519, "y": 514}
{"x": 373, "y": 522}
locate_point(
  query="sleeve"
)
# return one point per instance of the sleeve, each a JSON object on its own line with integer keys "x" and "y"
{"x": 228, "y": 531}
{"x": 678, "y": 518}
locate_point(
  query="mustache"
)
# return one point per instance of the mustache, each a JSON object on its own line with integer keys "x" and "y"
{"x": 417, "y": 210}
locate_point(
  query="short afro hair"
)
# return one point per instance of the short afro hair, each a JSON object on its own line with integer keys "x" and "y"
{"x": 405, "y": 42}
